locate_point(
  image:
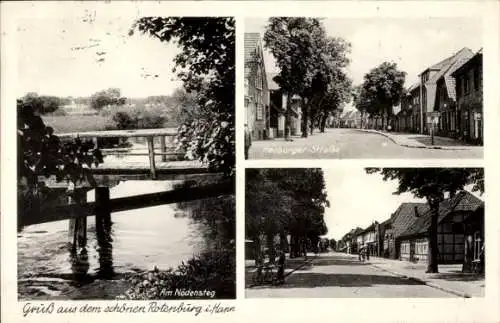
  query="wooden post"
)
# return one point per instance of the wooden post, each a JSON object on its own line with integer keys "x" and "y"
{"x": 103, "y": 231}
{"x": 151, "y": 149}
{"x": 163, "y": 148}
{"x": 77, "y": 231}
{"x": 102, "y": 210}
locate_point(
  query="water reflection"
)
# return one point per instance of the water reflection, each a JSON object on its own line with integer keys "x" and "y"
{"x": 104, "y": 247}
{"x": 131, "y": 241}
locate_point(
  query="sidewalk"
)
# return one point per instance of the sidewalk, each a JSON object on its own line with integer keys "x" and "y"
{"x": 291, "y": 265}
{"x": 413, "y": 140}
{"x": 449, "y": 279}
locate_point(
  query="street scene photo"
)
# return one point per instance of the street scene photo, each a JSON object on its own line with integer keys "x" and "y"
{"x": 126, "y": 157}
{"x": 363, "y": 88}
{"x": 351, "y": 232}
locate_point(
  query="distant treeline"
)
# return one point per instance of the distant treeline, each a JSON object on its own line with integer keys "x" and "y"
{"x": 47, "y": 104}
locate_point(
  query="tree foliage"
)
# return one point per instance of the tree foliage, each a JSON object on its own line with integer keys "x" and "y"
{"x": 206, "y": 65}
{"x": 286, "y": 201}
{"x": 105, "y": 98}
{"x": 382, "y": 88}
{"x": 311, "y": 65}
{"x": 432, "y": 184}
{"x": 43, "y": 103}
{"x": 41, "y": 153}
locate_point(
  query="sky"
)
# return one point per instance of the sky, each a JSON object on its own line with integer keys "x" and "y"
{"x": 412, "y": 43}
{"x": 52, "y": 61}
{"x": 357, "y": 199}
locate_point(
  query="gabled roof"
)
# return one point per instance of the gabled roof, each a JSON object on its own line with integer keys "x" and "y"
{"x": 448, "y": 75}
{"x": 414, "y": 86}
{"x": 405, "y": 216}
{"x": 371, "y": 227}
{"x": 442, "y": 67}
{"x": 462, "y": 201}
{"x": 252, "y": 41}
{"x": 465, "y": 64}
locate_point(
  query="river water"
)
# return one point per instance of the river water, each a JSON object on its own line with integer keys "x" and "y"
{"x": 161, "y": 236}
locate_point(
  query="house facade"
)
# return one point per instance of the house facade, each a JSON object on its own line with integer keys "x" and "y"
{"x": 404, "y": 216}
{"x": 371, "y": 239}
{"x": 278, "y": 109}
{"x": 257, "y": 99}
{"x": 452, "y": 229}
{"x": 429, "y": 86}
{"x": 408, "y": 118}
{"x": 469, "y": 93}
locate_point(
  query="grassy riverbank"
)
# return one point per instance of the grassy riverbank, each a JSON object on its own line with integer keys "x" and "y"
{"x": 76, "y": 123}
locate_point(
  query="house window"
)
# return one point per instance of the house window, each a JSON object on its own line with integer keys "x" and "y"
{"x": 246, "y": 86}
{"x": 478, "y": 244}
{"x": 258, "y": 78}
{"x": 259, "y": 105}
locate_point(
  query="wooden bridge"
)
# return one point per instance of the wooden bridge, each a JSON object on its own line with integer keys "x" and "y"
{"x": 171, "y": 165}
{"x": 112, "y": 172}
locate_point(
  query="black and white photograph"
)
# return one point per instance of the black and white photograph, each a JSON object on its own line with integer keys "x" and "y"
{"x": 363, "y": 88}
{"x": 126, "y": 157}
{"x": 351, "y": 232}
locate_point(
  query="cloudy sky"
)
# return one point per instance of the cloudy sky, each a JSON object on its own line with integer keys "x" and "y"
{"x": 81, "y": 54}
{"x": 412, "y": 43}
{"x": 358, "y": 199}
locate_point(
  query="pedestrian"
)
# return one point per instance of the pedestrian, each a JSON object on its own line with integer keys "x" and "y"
{"x": 367, "y": 252}
{"x": 248, "y": 140}
{"x": 280, "y": 276}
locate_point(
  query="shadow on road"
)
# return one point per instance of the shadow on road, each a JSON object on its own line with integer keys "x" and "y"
{"x": 310, "y": 280}
{"x": 459, "y": 276}
{"x": 440, "y": 142}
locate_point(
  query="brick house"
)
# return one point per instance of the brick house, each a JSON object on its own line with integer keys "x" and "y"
{"x": 458, "y": 215}
{"x": 469, "y": 93}
{"x": 256, "y": 88}
{"x": 429, "y": 82}
{"x": 400, "y": 221}
{"x": 446, "y": 99}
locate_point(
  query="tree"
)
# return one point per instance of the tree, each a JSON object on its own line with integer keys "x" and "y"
{"x": 383, "y": 88}
{"x": 44, "y": 104}
{"x": 206, "y": 65}
{"x": 432, "y": 184}
{"x": 310, "y": 63}
{"x": 41, "y": 153}
{"x": 285, "y": 202}
{"x": 109, "y": 97}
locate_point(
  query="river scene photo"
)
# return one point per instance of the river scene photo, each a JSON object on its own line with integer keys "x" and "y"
{"x": 160, "y": 237}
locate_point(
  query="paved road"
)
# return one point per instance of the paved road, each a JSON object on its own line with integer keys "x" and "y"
{"x": 336, "y": 275}
{"x": 349, "y": 143}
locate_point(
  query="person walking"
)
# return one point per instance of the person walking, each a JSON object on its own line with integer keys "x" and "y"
{"x": 248, "y": 140}
{"x": 280, "y": 277}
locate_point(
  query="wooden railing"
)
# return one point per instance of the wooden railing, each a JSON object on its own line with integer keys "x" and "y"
{"x": 149, "y": 134}
{"x": 75, "y": 210}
